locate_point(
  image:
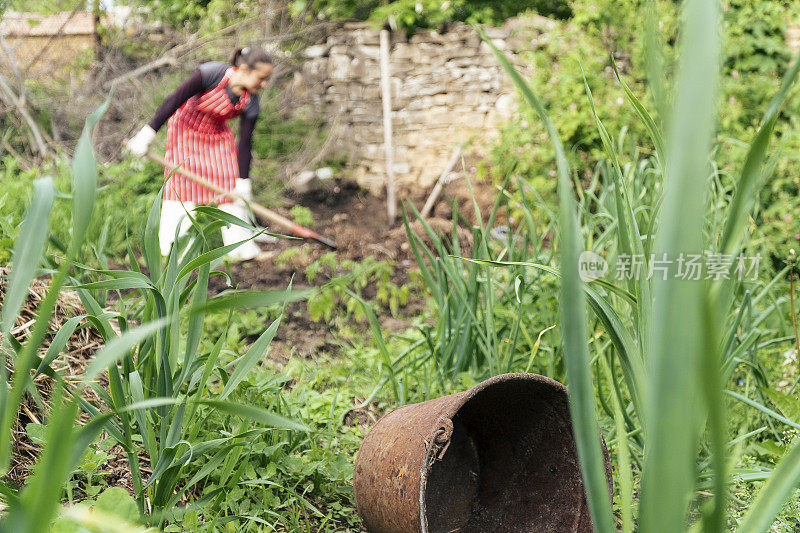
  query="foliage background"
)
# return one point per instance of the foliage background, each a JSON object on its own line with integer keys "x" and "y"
{"x": 309, "y": 477}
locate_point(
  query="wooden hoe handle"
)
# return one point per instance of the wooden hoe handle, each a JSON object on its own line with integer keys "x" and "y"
{"x": 268, "y": 214}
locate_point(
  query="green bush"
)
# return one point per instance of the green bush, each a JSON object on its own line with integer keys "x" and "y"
{"x": 557, "y": 62}
{"x": 125, "y": 192}
{"x": 414, "y": 14}
{"x": 755, "y": 57}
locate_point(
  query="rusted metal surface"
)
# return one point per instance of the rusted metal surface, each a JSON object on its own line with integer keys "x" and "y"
{"x": 497, "y": 457}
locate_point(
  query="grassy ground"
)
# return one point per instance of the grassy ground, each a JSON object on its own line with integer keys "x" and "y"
{"x": 339, "y": 387}
{"x": 223, "y": 401}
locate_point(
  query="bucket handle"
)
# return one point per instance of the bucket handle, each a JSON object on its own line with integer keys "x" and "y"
{"x": 439, "y": 441}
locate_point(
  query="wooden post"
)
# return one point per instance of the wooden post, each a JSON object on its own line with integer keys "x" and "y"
{"x": 386, "y": 92}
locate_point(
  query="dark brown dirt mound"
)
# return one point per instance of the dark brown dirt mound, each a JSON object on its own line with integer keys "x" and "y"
{"x": 357, "y": 222}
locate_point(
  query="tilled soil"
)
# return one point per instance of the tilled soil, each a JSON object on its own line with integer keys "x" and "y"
{"x": 357, "y": 222}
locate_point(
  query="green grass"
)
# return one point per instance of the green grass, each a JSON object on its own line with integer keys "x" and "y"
{"x": 677, "y": 375}
{"x": 157, "y": 400}
{"x": 124, "y": 194}
{"x": 303, "y": 216}
{"x": 685, "y": 379}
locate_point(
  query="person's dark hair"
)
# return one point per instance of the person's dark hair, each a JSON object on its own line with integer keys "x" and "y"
{"x": 250, "y": 55}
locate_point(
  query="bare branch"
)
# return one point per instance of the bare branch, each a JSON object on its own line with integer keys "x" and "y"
{"x": 10, "y": 98}
{"x": 172, "y": 56}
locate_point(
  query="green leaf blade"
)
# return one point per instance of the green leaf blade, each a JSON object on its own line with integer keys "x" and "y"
{"x": 28, "y": 250}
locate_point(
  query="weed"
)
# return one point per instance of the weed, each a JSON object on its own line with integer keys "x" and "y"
{"x": 302, "y": 216}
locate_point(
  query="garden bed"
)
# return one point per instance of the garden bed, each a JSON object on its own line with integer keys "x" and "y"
{"x": 357, "y": 222}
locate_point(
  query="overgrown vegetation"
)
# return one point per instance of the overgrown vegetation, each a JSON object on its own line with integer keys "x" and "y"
{"x": 406, "y": 14}
{"x": 693, "y": 383}
{"x": 602, "y": 35}
{"x": 678, "y": 356}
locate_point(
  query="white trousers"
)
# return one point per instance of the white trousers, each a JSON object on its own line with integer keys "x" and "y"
{"x": 173, "y": 216}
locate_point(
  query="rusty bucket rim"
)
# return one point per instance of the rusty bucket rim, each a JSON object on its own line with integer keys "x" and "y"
{"x": 445, "y": 424}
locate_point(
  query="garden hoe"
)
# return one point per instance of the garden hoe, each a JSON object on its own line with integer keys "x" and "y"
{"x": 268, "y": 214}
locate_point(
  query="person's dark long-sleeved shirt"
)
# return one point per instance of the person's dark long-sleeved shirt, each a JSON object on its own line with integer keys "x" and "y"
{"x": 205, "y": 78}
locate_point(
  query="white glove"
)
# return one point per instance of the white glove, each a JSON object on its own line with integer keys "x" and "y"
{"x": 244, "y": 189}
{"x": 139, "y": 143}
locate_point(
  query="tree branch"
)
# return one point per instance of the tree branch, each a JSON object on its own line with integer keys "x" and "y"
{"x": 10, "y": 98}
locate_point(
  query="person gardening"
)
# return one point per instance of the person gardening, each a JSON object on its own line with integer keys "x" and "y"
{"x": 200, "y": 141}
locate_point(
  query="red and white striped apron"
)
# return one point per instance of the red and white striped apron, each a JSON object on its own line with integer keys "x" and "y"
{"x": 200, "y": 141}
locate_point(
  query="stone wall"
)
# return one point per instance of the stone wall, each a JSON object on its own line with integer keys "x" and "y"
{"x": 446, "y": 88}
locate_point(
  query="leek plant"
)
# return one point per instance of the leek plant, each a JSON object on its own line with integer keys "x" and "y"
{"x": 159, "y": 383}
{"x": 484, "y": 317}
{"x": 673, "y": 342}
{"x": 168, "y": 372}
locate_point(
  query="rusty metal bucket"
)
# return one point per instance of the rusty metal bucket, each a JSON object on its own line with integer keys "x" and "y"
{"x": 498, "y": 457}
